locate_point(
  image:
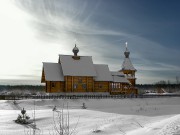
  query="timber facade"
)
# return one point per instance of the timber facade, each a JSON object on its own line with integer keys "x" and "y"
{"x": 78, "y": 74}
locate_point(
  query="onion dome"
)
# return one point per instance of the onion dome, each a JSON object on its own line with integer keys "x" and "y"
{"x": 75, "y": 50}
{"x": 127, "y": 65}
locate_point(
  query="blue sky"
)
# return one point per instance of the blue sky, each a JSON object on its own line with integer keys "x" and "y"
{"x": 34, "y": 31}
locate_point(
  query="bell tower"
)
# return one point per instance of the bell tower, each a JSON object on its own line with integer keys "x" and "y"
{"x": 128, "y": 68}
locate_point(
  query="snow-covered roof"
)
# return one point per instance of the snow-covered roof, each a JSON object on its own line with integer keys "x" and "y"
{"x": 120, "y": 79}
{"x": 102, "y": 73}
{"x": 127, "y": 65}
{"x": 115, "y": 73}
{"x": 53, "y": 72}
{"x": 81, "y": 67}
{"x": 130, "y": 77}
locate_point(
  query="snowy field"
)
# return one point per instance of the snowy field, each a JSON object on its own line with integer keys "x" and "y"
{"x": 150, "y": 116}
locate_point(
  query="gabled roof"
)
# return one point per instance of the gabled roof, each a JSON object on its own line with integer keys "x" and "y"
{"x": 53, "y": 72}
{"x": 120, "y": 79}
{"x": 82, "y": 67}
{"x": 102, "y": 73}
{"x": 127, "y": 65}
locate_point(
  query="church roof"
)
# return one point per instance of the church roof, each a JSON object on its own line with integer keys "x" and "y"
{"x": 53, "y": 72}
{"x": 102, "y": 72}
{"x": 120, "y": 79}
{"x": 115, "y": 73}
{"x": 69, "y": 65}
{"x": 81, "y": 67}
{"x": 127, "y": 65}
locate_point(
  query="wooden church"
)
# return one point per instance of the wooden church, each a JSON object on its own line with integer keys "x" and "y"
{"x": 78, "y": 74}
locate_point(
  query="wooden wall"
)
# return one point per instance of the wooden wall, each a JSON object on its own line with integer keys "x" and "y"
{"x": 43, "y": 77}
{"x": 132, "y": 81}
{"x": 131, "y": 73}
{"x": 101, "y": 86}
{"x": 87, "y": 84}
{"x": 71, "y": 84}
{"x": 78, "y": 84}
{"x": 53, "y": 87}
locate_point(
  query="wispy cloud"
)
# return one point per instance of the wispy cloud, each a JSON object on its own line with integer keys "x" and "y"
{"x": 65, "y": 20}
{"x": 54, "y": 26}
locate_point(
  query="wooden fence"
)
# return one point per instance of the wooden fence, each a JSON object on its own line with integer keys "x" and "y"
{"x": 12, "y": 97}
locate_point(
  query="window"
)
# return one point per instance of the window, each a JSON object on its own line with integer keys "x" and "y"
{"x": 53, "y": 85}
{"x": 75, "y": 86}
{"x": 84, "y": 86}
{"x": 100, "y": 86}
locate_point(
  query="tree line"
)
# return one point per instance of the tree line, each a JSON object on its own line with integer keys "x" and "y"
{"x": 22, "y": 87}
{"x": 169, "y": 87}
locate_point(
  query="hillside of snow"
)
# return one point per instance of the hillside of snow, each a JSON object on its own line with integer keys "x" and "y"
{"x": 150, "y": 116}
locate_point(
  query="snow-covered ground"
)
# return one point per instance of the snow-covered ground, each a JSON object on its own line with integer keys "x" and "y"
{"x": 150, "y": 116}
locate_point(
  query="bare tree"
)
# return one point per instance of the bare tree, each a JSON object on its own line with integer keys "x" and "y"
{"x": 61, "y": 122}
{"x": 30, "y": 131}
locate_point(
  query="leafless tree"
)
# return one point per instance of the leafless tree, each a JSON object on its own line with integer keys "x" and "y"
{"x": 61, "y": 123}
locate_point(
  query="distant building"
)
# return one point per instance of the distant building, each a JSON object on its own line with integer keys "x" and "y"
{"x": 77, "y": 74}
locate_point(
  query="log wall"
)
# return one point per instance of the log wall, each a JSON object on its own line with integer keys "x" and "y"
{"x": 53, "y": 87}
{"x": 87, "y": 84}
{"x": 101, "y": 86}
{"x": 43, "y": 77}
{"x": 78, "y": 84}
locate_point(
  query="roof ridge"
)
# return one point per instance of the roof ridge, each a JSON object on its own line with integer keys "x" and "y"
{"x": 51, "y": 62}
{"x": 102, "y": 64}
{"x": 73, "y": 55}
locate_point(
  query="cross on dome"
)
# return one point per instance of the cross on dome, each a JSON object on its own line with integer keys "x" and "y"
{"x": 126, "y": 53}
{"x": 126, "y": 44}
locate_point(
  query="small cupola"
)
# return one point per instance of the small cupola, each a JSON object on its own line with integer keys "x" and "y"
{"x": 75, "y": 51}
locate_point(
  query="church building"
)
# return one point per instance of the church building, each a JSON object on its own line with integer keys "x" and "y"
{"x": 78, "y": 74}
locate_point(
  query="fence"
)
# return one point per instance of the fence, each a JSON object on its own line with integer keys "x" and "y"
{"x": 12, "y": 97}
